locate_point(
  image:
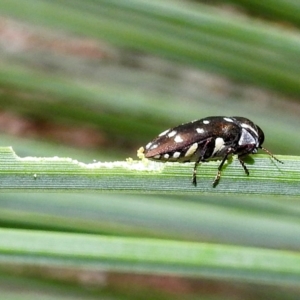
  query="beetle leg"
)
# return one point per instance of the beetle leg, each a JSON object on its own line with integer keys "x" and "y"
{"x": 243, "y": 165}
{"x": 201, "y": 157}
{"x": 194, "y": 180}
{"x": 218, "y": 176}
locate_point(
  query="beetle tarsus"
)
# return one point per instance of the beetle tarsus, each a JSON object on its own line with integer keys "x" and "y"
{"x": 194, "y": 181}
{"x": 217, "y": 179}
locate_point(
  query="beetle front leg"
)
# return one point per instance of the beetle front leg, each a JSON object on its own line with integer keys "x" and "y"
{"x": 244, "y": 166}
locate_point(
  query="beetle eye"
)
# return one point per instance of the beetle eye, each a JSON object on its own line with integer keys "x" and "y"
{"x": 261, "y": 136}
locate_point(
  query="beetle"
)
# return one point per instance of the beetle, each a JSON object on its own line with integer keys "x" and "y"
{"x": 211, "y": 138}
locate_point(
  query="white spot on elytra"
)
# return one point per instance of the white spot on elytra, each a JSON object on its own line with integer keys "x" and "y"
{"x": 164, "y": 132}
{"x": 153, "y": 146}
{"x": 178, "y": 139}
{"x": 200, "y": 130}
{"x": 166, "y": 156}
{"x": 228, "y": 120}
{"x": 148, "y": 145}
{"x": 172, "y": 133}
{"x": 176, "y": 154}
{"x": 206, "y": 122}
{"x": 156, "y": 156}
{"x": 191, "y": 150}
{"x": 219, "y": 145}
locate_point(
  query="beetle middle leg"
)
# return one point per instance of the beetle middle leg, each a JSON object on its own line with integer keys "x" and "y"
{"x": 218, "y": 176}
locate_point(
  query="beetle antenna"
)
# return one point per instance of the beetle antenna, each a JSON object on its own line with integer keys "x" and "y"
{"x": 267, "y": 151}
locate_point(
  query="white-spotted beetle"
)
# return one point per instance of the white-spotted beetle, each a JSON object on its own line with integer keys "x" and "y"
{"x": 211, "y": 138}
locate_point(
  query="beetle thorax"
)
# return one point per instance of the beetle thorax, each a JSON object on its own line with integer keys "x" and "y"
{"x": 249, "y": 138}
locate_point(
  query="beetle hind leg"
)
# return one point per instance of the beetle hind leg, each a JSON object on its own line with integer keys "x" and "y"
{"x": 200, "y": 158}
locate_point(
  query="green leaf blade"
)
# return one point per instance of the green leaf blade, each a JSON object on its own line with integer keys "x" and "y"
{"x": 267, "y": 177}
{"x": 149, "y": 256}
